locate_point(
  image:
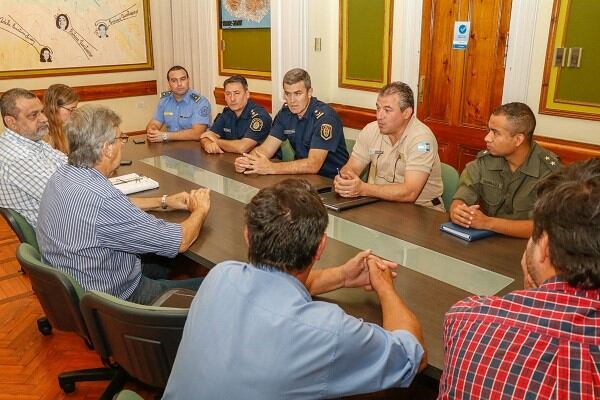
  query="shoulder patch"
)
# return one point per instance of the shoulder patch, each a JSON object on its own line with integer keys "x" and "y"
{"x": 550, "y": 160}
{"x": 196, "y": 97}
{"x": 204, "y": 111}
{"x": 319, "y": 114}
{"x": 326, "y": 131}
{"x": 483, "y": 153}
{"x": 256, "y": 124}
{"x": 165, "y": 94}
{"x": 423, "y": 147}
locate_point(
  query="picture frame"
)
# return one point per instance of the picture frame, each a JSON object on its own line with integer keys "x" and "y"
{"x": 365, "y": 55}
{"x": 73, "y": 37}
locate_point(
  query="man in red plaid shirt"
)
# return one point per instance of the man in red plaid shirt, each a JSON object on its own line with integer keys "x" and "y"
{"x": 542, "y": 342}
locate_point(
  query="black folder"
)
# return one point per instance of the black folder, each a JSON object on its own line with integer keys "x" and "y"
{"x": 335, "y": 202}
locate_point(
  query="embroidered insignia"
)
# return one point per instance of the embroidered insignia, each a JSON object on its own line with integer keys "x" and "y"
{"x": 165, "y": 94}
{"x": 196, "y": 97}
{"x": 326, "y": 130}
{"x": 546, "y": 158}
{"x": 204, "y": 111}
{"x": 319, "y": 114}
{"x": 552, "y": 163}
{"x": 423, "y": 147}
{"x": 253, "y": 113}
{"x": 256, "y": 124}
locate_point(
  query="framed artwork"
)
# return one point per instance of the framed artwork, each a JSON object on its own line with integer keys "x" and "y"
{"x": 47, "y": 37}
{"x": 570, "y": 86}
{"x": 244, "y": 14}
{"x": 365, "y": 44}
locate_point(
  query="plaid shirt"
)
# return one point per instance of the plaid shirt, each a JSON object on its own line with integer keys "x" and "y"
{"x": 530, "y": 344}
{"x": 25, "y": 167}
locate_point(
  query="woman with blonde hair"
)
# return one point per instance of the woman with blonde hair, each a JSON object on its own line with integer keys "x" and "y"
{"x": 59, "y": 102}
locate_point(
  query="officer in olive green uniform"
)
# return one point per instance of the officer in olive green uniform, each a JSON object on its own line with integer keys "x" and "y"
{"x": 489, "y": 182}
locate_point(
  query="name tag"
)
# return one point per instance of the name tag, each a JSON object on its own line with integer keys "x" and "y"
{"x": 289, "y": 131}
{"x": 375, "y": 152}
{"x": 488, "y": 182}
{"x": 168, "y": 113}
{"x": 227, "y": 130}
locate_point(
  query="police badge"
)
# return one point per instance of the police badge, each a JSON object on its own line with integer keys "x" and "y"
{"x": 326, "y": 130}
{"x": 256, "y": 124}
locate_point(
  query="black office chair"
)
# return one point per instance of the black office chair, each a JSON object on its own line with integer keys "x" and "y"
{"x": 141, "y": 340}
{"x": 59, "y": 294}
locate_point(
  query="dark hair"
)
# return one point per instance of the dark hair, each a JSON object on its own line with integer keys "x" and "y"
{"x": 568, "y": 210}
{"x": 8, "y": 101}
{"x": 520, "y": 117}
{"x": 406, "y": 98}
{"x": 177, "y": 68}
{"x": 236, "y": 79}
{"x": 42, "y": 59}
{"x": 285, "y": 224}
{"x": 296, "y": 75}
{"x": 66, "y": 19}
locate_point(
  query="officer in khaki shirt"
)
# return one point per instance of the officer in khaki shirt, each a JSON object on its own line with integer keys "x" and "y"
{"x": 497, "y": 190}
{"x": 402, "y": 153}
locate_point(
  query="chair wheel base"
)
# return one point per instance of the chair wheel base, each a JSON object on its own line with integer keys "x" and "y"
{"x": 44, "y": 326}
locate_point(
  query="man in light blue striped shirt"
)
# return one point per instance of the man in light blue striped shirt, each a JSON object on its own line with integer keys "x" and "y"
{"x": 26, "y": 161}
{"x": 90, "y": 230}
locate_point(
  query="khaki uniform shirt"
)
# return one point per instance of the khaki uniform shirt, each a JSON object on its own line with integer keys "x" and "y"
{"x": 489, "y": 182}
{"x": 417, "y": 150}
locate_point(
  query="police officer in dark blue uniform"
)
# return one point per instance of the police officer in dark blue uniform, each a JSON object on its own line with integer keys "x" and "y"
{"x": 241, "y": 126}
{"x": 313, "y": 128}
{"x": 184, "y": 113}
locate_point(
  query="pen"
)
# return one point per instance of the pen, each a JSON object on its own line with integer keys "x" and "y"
{"x": 338, "y": 170}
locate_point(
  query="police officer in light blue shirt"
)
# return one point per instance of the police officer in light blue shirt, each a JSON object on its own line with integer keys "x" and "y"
{"x": 313, "y": 128}
{"x": 241, "y": 126}
{"x": 184, "y": 113}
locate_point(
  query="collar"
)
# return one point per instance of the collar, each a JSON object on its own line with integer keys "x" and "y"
{"x": 23, "y": 141}
{"x": 289, "y": 279}
{"x": 309, "y": 110}
{"x": 531, "y": 166}
{"x": 556, "y": 284}
{"x": 246, "y": 111}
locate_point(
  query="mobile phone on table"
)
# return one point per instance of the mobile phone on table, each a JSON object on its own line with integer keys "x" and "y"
{"x": 139, "y": 140}
{"x": 125, "y": 162}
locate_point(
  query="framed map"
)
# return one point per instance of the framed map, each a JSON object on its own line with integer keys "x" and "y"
{"x": 236, "y": 14}
{"x": 49, "y": 37}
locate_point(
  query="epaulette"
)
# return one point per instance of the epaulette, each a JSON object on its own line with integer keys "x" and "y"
{"x": 483, "y": 153}
{"x": 318, "y": 114}
{"x": 285, "y": 105}
{"x": 550, "y": 160}
{"x": 165, "y": 94}
{"x": 253, "y": 113}
{"x": 196, "y": 97}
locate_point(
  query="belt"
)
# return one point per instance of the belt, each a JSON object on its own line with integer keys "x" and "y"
{"x": 437, "y": 201}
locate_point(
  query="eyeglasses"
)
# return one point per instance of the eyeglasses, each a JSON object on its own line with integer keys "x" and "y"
{"x": 69, "y": 109}
{"x": 382, "y": 176}
{"x": 124, "y": 138}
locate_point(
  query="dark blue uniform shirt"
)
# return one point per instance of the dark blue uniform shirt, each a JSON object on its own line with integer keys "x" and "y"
{"x": 319, "y": 128}
{"x": 254, "y": 123}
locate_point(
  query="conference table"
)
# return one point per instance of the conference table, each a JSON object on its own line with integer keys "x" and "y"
{"x": 436, "y": 269}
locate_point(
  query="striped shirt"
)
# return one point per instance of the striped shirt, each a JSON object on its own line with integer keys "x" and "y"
{"x": 90, "y": 230}
{"x": 25, "y": 167}
{"x": 530, "y": 344}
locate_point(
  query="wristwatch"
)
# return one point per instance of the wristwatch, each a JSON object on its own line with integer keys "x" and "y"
{"x": 163, "y": 202}
{"x": 165, "y": 136}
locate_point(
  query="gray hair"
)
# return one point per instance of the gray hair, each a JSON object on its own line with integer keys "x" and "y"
{"x": 406, "y": 98}
{"x": 8, "y": 101}
{"x": 297, "y": 75}
{"x": 89, "y": 128}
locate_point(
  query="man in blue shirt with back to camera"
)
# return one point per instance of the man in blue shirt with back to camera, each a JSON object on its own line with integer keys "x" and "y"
{"x": 241, "y": 126}
{"x": 313, "y": 128}
{"x": 184, "y": 112}
{"x": 254, "y": 332}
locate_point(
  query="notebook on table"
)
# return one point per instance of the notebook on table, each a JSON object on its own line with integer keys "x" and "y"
{"x": 335, "y": 202}
{"x": 468, "y": 234}
{"x": 133, "y": 183}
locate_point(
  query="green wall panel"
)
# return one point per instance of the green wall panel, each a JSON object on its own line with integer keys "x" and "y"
{"x": 247, "y": 49}
{"x": 365, "y": 35}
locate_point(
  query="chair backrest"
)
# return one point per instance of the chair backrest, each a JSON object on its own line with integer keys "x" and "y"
{"x": 22, "y": 228}
{"x": 143, "y": 340}
{"x": 58, "y": 293}
{"x": 287, "y": 151}
{"x": 450, "y": 180}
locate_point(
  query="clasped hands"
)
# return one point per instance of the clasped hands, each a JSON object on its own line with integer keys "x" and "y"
{"x": 469, "y": 216}
{"x": 253, "y": 163}
{"x": 347, "y": 183}
{"x": 368, "y": 271}
{"x": 192, "y": 201}
{"x": 210, "y": 144}
{"x": 154, "y": 135}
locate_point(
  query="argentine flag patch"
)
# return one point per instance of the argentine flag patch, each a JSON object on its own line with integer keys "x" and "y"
{"x": 423, "y": 147}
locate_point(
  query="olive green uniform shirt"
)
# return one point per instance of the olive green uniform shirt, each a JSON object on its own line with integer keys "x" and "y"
{"x": 489, "y": 182}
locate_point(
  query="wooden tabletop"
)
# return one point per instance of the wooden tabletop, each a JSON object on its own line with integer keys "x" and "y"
{"x": 221, "y": 239}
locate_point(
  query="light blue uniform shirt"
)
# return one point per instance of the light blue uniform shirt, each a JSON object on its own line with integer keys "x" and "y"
{"x": 193, "y": 109}
{"x": 256, "y": 334}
